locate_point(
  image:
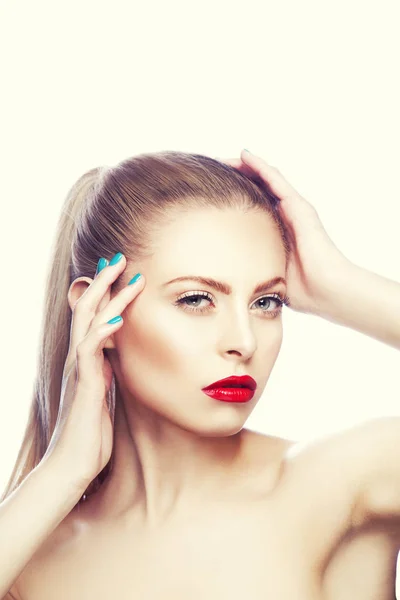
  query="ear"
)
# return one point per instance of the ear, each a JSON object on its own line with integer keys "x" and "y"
{"x": 77, "y": 288}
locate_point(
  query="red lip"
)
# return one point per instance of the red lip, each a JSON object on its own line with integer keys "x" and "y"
{"x": 233, "y": 382}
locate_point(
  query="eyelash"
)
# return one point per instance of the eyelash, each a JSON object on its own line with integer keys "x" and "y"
{"x": 189, "y": 295}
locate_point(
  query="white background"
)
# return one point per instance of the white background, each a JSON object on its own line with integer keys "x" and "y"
{"x": 310, "y": 86}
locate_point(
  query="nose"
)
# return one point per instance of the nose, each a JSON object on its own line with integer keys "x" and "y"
{"x": 237, "y": 337}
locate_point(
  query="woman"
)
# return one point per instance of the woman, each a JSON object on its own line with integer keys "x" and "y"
{"x": 161, "y": 491}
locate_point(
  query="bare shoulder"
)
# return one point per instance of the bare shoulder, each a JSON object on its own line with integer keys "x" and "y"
{"x": 311, "y": 488}
{"x": 347, "y": 468}
{"x": 320, "y": 483}
{"x": 328, "y": 465}
{"x": 307, "y": 466}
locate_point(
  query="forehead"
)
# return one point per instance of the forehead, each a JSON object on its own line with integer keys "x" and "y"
{"x": 216, "y": 242}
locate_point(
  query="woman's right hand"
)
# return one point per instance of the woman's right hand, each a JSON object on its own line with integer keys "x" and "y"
{"x": 82, "y": 440}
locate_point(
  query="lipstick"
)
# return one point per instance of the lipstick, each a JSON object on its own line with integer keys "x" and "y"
{"x": 232, "y": 389}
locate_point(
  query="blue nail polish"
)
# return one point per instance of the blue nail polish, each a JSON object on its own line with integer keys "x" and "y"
{"x": 114, "y": 320}
{"x": 100, "y": 265}
{"x": 137, "y": 276}
{"x": 116, "y": 258}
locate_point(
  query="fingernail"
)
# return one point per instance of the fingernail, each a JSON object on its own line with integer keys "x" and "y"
{"x": 245, "y": 149}
{"x": 134, "y": 278}
{"x": 100, "y": 265}
{"x": 114, "y": 320}
{"x": 116, "y": 258}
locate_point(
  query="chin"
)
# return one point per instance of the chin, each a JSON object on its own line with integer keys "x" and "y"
{"x": 224, "y": 425}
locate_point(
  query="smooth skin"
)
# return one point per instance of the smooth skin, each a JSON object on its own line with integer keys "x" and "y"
{"x": 315, "y": 261}
{"x": 82, "y": 441}
{"x": 196, "y": 505}
{"x": 321, "y": 281}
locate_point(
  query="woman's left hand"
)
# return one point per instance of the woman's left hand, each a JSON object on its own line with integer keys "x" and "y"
{"x": 315, "y": 264}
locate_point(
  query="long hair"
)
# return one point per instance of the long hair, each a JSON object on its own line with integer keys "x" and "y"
{"x": 112, "y": 209}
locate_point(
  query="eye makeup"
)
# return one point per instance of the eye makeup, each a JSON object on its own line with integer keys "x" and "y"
{"x": 184, "y": 300}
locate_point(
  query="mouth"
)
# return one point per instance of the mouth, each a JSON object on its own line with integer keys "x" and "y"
{"x": 233, "y": 382}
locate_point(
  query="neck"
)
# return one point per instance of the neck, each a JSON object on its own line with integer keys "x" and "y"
{"x": 160, "y": 469}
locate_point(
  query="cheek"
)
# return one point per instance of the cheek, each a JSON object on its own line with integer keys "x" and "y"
{"x": 270, "y": 342}
{"x": 158, "y": 356}
{"x": 157, "y": 336}
{"x": 160, "y": 337}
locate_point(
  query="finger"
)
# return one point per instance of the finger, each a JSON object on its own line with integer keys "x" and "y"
{"x": 87, "y": 305}
{"x": 107, "y": 296}
{"x": 105, "y": 300}
{"x": 120, "y": 302}
{"x": 272, "y": 177}
{"x": 89, "y": 358}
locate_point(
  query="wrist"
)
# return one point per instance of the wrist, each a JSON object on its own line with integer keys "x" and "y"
{"x": 337, "y": 290}
{"x": 59, "y": 483}
{"x": 366, "y": 302}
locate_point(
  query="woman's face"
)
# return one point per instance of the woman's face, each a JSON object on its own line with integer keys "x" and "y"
{"x": 169, "y": 347}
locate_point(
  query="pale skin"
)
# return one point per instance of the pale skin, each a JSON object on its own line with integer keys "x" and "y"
{"x": 196, "y": 505}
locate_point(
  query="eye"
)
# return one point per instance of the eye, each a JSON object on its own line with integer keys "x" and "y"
{"x": 265, "y": 301}
{"x": 191, "y": 302}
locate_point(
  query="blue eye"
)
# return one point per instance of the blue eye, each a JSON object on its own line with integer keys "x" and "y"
{"x": 266, "y": 299}
{"x": 190, "y": 302}
{"x": 187, "y": 300}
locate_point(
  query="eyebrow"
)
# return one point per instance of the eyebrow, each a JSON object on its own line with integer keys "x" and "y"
{"x": 225, "y": 288}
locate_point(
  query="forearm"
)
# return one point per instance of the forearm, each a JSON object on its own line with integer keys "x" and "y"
{"x": 366, "y": 302}
{"x": 28, "y": 516}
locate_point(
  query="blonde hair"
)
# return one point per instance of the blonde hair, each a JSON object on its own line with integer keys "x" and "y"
{"x": 109, "y": 210}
